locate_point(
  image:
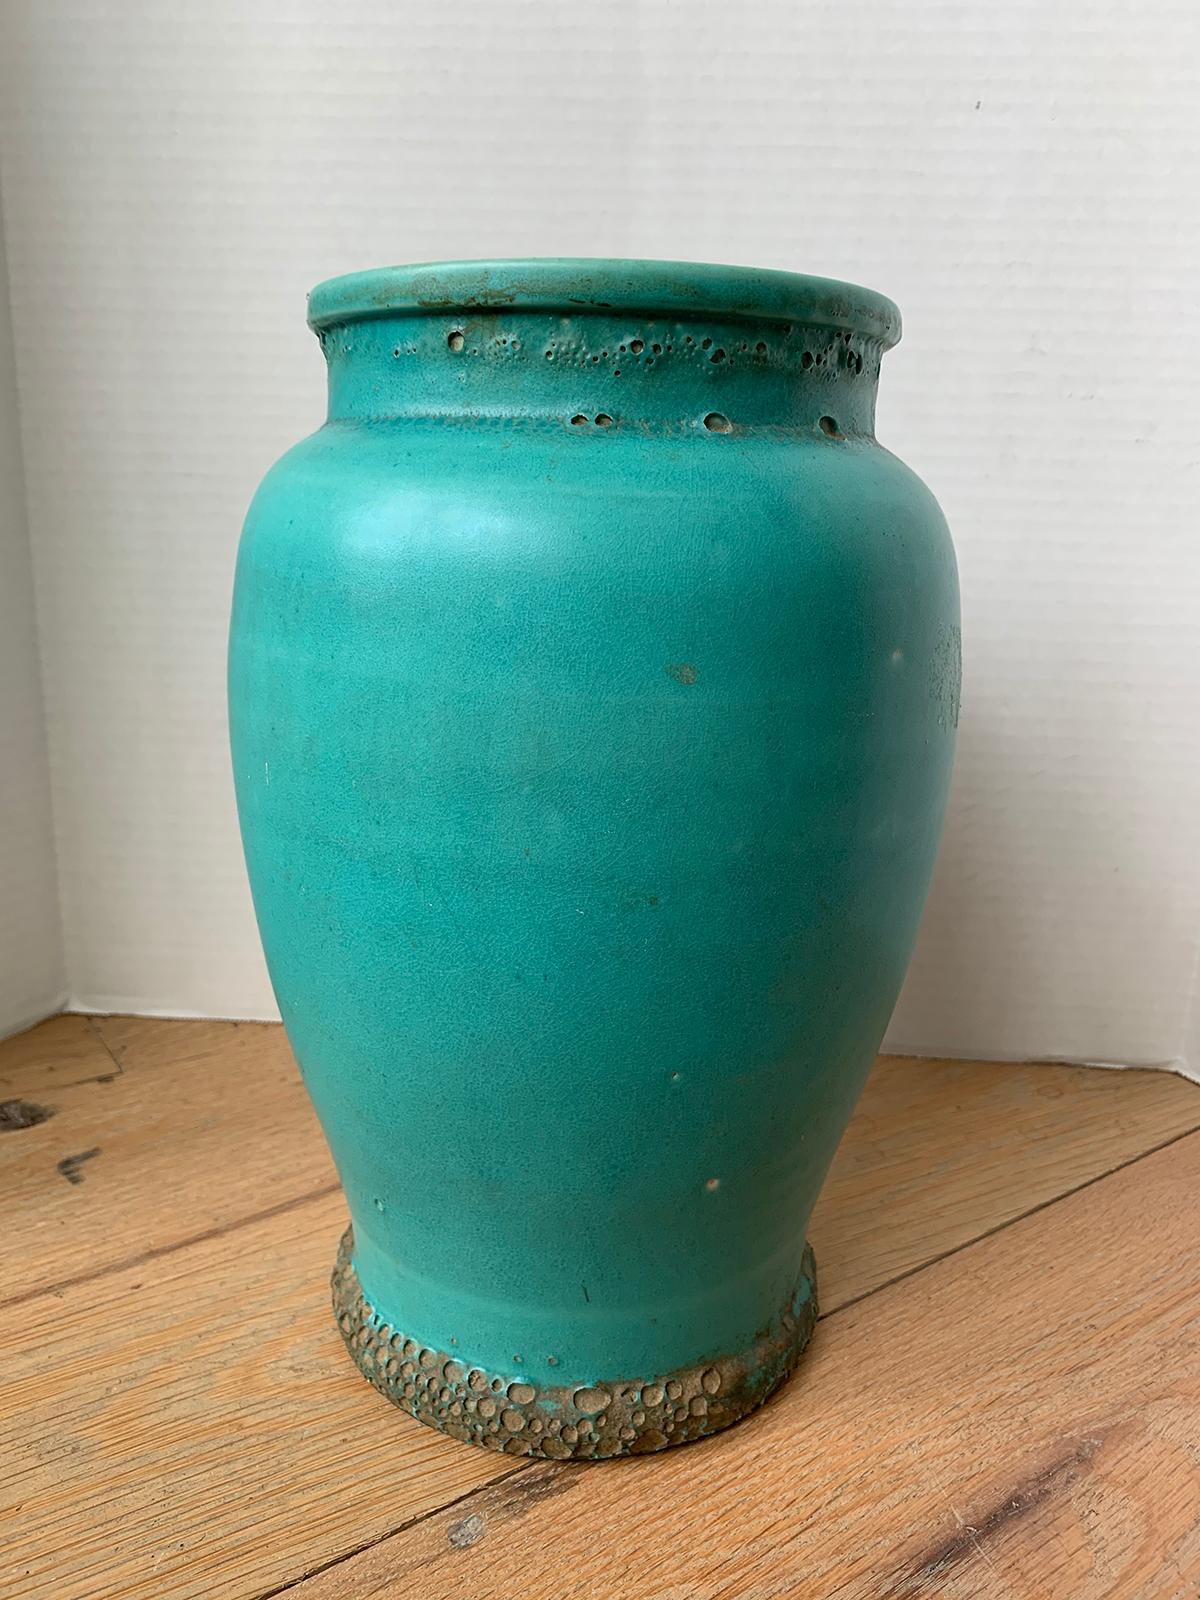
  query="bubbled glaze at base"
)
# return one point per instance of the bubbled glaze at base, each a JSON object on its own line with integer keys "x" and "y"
{"x": 630, "y": 1416}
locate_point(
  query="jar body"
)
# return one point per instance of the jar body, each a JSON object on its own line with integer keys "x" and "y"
{"x": 590, "y": 777}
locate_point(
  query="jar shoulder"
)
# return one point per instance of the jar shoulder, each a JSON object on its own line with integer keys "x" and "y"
{"x": 404, "y": 469}
{"x": 380, "y": 494}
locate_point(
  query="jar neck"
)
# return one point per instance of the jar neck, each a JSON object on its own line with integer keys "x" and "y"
{"x": 603, "y": 368}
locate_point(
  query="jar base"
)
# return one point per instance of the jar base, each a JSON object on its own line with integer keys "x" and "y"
{"x": 505, "y": 1412}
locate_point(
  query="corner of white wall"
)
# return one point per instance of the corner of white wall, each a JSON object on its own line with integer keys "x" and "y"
{"x": 1188, "y": 1061}
{"x": 32, "y": 964}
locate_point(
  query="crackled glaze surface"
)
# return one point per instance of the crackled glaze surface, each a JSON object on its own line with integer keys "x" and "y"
{"x": 593, "y": 687}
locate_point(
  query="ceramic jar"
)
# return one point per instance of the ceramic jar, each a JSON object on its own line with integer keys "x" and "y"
{"x": 593, "y": 688}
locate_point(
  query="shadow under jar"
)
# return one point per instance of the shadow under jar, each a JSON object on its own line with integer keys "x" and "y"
{"x": 593, "y": 686}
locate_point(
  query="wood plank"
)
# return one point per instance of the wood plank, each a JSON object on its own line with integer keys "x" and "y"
{"x": 55, "y": 1056}
{"x": 203, "y": 1125}
{"x": 180, "y": 1418}
{"x": 950, "y": 1149}
{"x": 193, "y": 1428}
{"x": 1016, "y": 1421}
{"x": 139, "y": 1043}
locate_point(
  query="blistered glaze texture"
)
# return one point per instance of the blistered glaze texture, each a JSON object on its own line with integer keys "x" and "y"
{"x": 590, "y": 1422}
{"x": 592, "y": 724}
{"x": 605, "y": 370}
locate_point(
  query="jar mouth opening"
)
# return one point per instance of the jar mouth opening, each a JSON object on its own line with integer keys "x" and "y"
{"x": 583, "y": 286}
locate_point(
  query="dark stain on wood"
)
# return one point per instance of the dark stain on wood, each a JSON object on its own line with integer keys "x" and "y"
{"x": 494, "y": 1506}
{"x": 523, "y": 1490}
{"x": 69, "y": 1165}
{"x": 1027, "y": 1496}
{"x": 22, "y": 1114}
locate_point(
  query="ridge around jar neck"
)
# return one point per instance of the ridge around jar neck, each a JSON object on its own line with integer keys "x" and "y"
{"x": 661, "y": 346}
{"x": 602, "y": 371}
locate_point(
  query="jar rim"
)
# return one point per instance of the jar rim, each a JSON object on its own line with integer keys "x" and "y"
{"x": 577, "y": 286}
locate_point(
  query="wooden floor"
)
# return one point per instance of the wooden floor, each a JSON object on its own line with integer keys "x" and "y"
{"x": 1002, "y": 1400}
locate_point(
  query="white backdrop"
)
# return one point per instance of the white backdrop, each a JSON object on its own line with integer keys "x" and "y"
{"x": 1019, "y": 177}
{"x": 32, "y": 976}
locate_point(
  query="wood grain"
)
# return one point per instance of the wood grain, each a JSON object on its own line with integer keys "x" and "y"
{"x": 196, "y": 1125}
{"x": 192, "y": 1426}
{"x": 939, "y": 1152}
{"x": 1016, "y": 1422}
{"x": 178, "y": 1418}
{"x": 57, "y": 1055}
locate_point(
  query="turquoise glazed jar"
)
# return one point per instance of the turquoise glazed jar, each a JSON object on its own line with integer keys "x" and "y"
{"x": 593, "y": 686}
